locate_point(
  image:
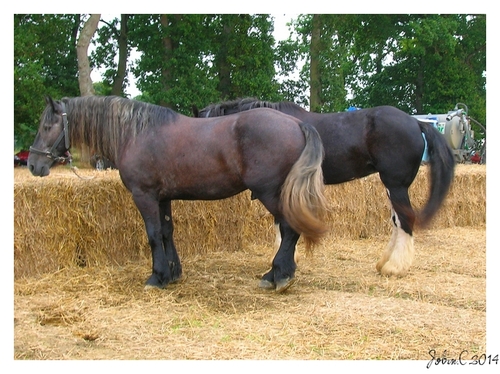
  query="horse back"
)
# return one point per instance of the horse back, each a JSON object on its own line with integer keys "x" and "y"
{"x": 363, "y": 142}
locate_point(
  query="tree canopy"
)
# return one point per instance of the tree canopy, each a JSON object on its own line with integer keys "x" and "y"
{"x": 418, "y": 63}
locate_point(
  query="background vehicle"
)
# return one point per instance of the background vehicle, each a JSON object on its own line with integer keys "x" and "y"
{"x": 101, "y": 163}
{"x": 456, "y": 128}
{"x": 21, "y": 158}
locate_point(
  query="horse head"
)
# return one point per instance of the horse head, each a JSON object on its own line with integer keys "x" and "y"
{"x": 51, "y": 143}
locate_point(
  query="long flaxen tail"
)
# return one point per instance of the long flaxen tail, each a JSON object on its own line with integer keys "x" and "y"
{"x": 302, "y": 196}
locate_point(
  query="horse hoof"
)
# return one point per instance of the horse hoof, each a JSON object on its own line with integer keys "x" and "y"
{"x": 284, "y": 284}
{"x": 151, "y": 287}
{"x": 266, "y": 285}
{"x": 175, "y": 271}
{"x": 379, "y": 266}
{"x": 154, "y": 282}
{"x": 392, "y": 271}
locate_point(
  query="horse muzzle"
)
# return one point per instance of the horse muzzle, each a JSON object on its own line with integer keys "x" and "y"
{"x": 39, "y": 169}
{"x": 39, "y": 163}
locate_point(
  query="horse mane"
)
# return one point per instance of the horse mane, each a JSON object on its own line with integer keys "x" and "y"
{"x": 105, "y": 123}
{"x": 247, "y": 103}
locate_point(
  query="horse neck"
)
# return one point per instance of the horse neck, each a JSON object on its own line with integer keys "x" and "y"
{"x": 89, "y": 126}
{"x": 293, "y": 110}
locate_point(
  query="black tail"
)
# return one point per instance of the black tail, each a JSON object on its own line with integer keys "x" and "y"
{"x": 442, "y": 170}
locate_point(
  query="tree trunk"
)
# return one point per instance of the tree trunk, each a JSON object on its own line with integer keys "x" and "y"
{"x": 121, "y": 72}
{"x": 419, "y": 86}
{"x": 223, "y": 66}
{"x": 82, "y": 46}
{"x": 315, "y": 83}
{"x": 168, "y": 47}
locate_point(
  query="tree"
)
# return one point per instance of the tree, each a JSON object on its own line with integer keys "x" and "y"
{"x": 88, "y": 30}
{"x": 324, "y": 43}
{"x": 241, "y": 48}
{"x": 418, "y": 63}
{"x": 44, "y": 64}
{"x": 315, "y": 75}
{"x": 174, "y": 69}
{"x": 195, "y": 59}
{"x": 123, "y": 53}
{"x": 112, "y": 50}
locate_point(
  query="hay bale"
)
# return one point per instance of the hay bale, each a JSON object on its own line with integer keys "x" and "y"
{"x": 465, "y": 204}
{"x": 62, "y": 220}
{"x": 358, "y": 209}
{"x": 361, "y": 208}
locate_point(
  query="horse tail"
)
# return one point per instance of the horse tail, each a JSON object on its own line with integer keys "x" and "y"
{"x": 442, "y": 170}
{"x": 302, "y": 196}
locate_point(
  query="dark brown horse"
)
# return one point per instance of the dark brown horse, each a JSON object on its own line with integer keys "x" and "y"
{"x": 162, "y": 155}
{"x": 382, "y": 139}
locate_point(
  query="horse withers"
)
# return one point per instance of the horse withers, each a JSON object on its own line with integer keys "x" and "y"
{"x": 162, "y": 155}
{"x": 382, "y": 140}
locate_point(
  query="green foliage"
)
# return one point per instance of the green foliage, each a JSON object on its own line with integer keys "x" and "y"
{"x": 102, "y": 88}
{"x": 243, "y": 45}
{"x": 434, "y": 63}
{"x": 418, "y": 63}
{"x": 106, "y": 49}
{"x": 196, "y": 59}
{"x": 44, "y": 64}
{"x": 174, "y": 67}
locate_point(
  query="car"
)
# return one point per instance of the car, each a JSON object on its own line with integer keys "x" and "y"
{"x": 21, "y": 158}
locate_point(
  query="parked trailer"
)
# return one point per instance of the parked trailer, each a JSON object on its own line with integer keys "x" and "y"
{"x": 456, "y": 128}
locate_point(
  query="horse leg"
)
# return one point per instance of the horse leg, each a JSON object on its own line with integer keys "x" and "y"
{"x": 277, "y": 240}
{"x": 399, "y": 253}
{"x": 277, "y": 243}
{"x": 282, "y": 273}
{"x": 167, "y": 228}
{"x": 149, "y": 208}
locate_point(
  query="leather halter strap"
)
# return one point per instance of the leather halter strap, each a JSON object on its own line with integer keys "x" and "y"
{"x": 65, "y": 133}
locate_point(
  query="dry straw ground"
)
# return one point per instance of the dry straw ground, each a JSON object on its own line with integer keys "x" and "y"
{"x": 81, "y": 259}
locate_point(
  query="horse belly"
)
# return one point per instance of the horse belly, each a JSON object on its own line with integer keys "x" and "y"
{"x": 206, "y": 178}
{"x": 339, "y": 169}
{"x": 203, "y": 190}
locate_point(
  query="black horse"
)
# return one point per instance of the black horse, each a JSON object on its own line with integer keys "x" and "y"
{"x": 162, "y": 155}
{"x": 382, "y": 139}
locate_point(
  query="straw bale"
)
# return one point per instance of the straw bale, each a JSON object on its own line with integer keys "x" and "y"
{"x": 63, "y": 220}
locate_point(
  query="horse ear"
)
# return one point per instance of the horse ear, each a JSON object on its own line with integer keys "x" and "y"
{"x": 56, "y": 105}
{"x": 195, "y": 111}
{"x": 50, "y": 101}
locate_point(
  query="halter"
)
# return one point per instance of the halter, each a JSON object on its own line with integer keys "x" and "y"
{"x": 65, "y": 133}
{"x": 50, "y": 154}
